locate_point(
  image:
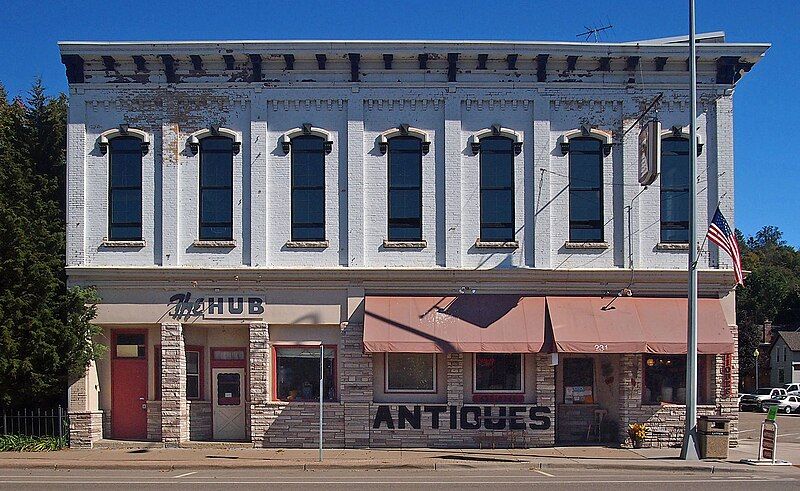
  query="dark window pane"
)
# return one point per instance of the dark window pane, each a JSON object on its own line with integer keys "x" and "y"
{"x": 192, "y": 386}
{"x": 125, "y": 189}
{"x": 404, "y": 204}
{"x": 298, "y": 375}
{"x": 578, "y": 380}
{"x": 219, "y": 144}
{"x": 675, "y": 168}
{"x": 497, "y": 189}
{"x": 405, "y": 169}
{"x": 125, "y": 232}
{"x": 585, "y": 190}
{"x": 192, "y": 362}
{"x": 498, "y": 372}
{"x": 307, "y": 206}
{"x": 211, "y": 232}
{"x": 405, "y": 188}
{"x": 585, "y": 205}
{"x": 229, "y": 389}
{"x": 216, "y": 170}
{"x": 308, "y": 232}
{"x": 401, "y": 233}
{"x": 665, "y": 379}
{"x": 497, "y": 233}
{"x": 126, "y": 169}
{"x": 589, "y": 234}
{"x": 216, "y": 205}
{"x": 410, "y": 371}
{"x": 308, "y": 188}
{"x": 216, "y": 188}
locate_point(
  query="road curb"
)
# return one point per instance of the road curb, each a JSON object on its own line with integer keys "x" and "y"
{"x": 368, "y": 465}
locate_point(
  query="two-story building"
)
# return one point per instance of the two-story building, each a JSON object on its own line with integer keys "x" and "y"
{"x": 454, "y": 232}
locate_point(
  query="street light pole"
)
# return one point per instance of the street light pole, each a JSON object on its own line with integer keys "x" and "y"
{"x": 756, "y": 353}
{"x": 689, "y": 447}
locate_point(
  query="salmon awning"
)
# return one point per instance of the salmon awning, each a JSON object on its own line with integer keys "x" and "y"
{"x": 462, "y": 324}
{"x": 636, "y": 325}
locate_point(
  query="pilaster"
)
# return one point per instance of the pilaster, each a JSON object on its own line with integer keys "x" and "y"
{"x": 455, "y": 379}
{"x": 174, "y": 410}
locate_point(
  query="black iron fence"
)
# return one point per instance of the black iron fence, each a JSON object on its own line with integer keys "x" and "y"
{"x": 35, "y": 422}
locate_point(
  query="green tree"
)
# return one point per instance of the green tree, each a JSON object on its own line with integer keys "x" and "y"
{"x": 771, "y": 290}
{"x": 45, "y": 328}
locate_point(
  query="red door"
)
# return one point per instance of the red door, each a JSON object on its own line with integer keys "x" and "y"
{"x": 129, "y": 385}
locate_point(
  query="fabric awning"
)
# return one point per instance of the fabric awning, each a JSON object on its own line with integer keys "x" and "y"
{"x": 462, "y": 324}
{"x": 635, "y": 325}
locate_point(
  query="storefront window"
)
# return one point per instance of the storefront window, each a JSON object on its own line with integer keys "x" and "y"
{"x": 298, "y": 374}
{"x": 410, "y": 372}
{"x": 665, "y": 379}
{"x": 578, "y": 381}
{"x": 192, "y": 375}
{"x": 497, "y": 372}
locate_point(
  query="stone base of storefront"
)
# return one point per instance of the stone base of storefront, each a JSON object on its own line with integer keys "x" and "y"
{"x": 85, "y": 428}
{"x": 296, "y": 425}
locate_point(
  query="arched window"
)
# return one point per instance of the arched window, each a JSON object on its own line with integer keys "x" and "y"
{"x": 308, "y": 188}
{"x": 497, "y": 189}
{"x": 124, "y": 188}
{"x": 405, "y": 188}
{"x": 675, "y": 164}
{"x": 216, "y": 188}
{"x": 585, "y": 189}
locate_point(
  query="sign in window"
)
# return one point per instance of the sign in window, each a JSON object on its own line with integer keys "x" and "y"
{"x": 498, "y": 372}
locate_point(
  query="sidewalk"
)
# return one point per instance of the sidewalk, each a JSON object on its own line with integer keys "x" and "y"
{"x": 159, "y": 458}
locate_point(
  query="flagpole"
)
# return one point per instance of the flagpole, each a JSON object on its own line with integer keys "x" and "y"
{"x": 689, "y": 447}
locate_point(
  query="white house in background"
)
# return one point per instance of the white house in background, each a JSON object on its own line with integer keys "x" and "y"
{"x": 785, "y": 359}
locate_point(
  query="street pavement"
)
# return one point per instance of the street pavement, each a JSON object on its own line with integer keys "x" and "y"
{"x": 342, "y": 479}
{"x": 218, "y": 466}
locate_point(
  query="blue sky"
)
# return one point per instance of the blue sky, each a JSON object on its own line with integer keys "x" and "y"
{"x": 765, "y": 107}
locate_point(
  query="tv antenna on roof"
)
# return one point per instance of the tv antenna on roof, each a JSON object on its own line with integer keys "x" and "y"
{"x": 593, "y": 31}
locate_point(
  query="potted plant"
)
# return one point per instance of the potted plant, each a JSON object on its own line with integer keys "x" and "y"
{"x": 637, "y": 432}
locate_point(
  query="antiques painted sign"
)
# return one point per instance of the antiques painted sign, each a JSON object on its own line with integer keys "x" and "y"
{"x": 464, "y": 417}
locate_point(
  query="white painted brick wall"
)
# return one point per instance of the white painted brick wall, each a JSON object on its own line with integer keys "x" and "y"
{"x": 356, "y": 174}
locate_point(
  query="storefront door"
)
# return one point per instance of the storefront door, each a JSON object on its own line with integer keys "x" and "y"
{"x": 129, "y": 386}
{"x": 229, "y": 403}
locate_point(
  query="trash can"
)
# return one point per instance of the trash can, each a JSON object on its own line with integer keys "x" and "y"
{"x": 713, "y": 433}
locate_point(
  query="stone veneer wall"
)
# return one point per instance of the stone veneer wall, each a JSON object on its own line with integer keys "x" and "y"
{"x": 200, "y": 420}
{"x": 85, "y": 428}
{"x": 666, "y": 421}
{"x": 154, "y": 421}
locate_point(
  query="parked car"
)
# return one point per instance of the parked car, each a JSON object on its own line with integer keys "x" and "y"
{"x": 754, "y": 402}
{"x": 792, "y": 389}
{"x": 787, "y": 404}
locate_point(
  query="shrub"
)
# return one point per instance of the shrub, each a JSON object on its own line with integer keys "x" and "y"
{"x": 23, "y": 443}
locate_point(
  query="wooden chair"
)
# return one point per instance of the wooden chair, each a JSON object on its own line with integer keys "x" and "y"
{"x": 595, "y": 426}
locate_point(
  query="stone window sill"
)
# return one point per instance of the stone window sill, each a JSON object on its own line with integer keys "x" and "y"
{"x": 672, "y": 246}
{"x": 123, "y": 243}
{"x": 212, "y": 244}
{"x": 404, "y": 244}
{"x": 485, "y": 244}
{"x": 307, "y": 244}
{"x": 586, "y": 245}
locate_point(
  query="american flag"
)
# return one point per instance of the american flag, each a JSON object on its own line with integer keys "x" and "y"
{"x": 720, "y": 233}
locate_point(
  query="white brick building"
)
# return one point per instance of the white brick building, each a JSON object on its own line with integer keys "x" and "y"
{"x": 179, "y": 371}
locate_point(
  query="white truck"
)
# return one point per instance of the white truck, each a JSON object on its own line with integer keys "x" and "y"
{"x": 755, "y": 402}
